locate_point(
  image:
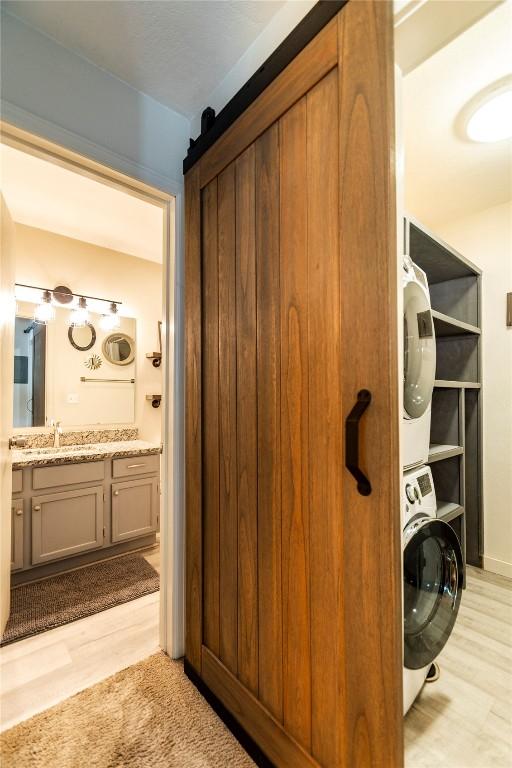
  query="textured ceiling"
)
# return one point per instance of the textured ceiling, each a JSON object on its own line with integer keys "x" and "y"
{"x": 47, "y": 196}
{"x": 447, "y": 176}
{"x": 176, "y": 52}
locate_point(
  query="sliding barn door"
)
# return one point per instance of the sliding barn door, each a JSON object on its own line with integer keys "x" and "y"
{"x": 293, "y": 604}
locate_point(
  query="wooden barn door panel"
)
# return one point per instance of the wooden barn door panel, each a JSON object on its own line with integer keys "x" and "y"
{"x": 290, "y": 277}
{"x": 268, "y": 344}
{"x": 325, "y": 420}
{"x": 247, "y": 421}
{"x": 210, "y": 350}
{"x": 372, "y": 550}
{"x": 228, "y": 480}
{"x": 294, "y": 424}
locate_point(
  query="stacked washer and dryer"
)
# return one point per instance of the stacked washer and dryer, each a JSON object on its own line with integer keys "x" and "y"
{"x": 432, "y": 556}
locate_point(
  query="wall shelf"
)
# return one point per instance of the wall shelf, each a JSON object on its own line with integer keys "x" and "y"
{"x": 155, "y": 357}
{"x": 442, "y": 384}
{"x": 440, "y": 452}
{"x": 448, "y": 510}
{"x": 455, "y": 453}
{"x": 450, "y": 326}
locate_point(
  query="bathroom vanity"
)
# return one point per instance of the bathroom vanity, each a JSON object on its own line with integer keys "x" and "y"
{"x": 80, "y": 503}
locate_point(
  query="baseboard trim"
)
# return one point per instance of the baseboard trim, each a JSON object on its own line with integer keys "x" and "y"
{"x": 240, "y": 734}
{"x": 501, "y": 567}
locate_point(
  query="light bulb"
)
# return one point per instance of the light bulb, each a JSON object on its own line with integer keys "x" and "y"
{"x": 110, "y": 321}
{"x": 45, "y": 312}
{"x": 80, "y": 315}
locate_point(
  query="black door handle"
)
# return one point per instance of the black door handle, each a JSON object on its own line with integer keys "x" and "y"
{"x": 364, "y": 398}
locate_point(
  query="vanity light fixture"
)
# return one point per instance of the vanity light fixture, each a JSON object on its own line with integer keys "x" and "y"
{"x": 45, "y": 311}
{"x": 80, "y": 315}
{"x": 111, "y": 321}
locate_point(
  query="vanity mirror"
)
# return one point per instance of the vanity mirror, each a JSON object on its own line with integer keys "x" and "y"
{"x": 82, "y": 337}
{"x": 119, "y": 348}
{"x": 54, "y": 376}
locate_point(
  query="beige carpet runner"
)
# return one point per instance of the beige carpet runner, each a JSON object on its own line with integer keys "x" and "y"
{"x": 147, "y": 716}
{"x": 70, "y": 596}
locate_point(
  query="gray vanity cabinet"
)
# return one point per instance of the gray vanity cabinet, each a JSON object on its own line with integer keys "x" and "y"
{"x": 17, "y": 535}
{"x": 77, "y": 513}
{"x": 66, "y": 523}
{"x": 135, "y": 506}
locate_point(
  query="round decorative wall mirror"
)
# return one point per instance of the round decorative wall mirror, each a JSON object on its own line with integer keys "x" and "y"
{"x": 119, "y": 348}
{"x": 82, "y": 337}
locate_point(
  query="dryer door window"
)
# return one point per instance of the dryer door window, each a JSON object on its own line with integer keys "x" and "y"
{"x": 419, "y": 351}
{"x": 433, "y": 573}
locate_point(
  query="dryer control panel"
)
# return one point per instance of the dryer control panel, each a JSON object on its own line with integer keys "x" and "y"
{"x": 418, "y": 494}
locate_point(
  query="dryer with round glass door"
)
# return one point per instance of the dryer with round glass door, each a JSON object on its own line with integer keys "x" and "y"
{"x": 432, "y": 580}
{"x": 419, "y": 365}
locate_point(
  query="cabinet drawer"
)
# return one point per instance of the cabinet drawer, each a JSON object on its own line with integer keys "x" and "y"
{"x": 135, "y": 507}
{"x": 67, "y": 474}
{"x": 67, "y": 523}
{"x": 136, "y": 465}
{"x": 17, "y": 481}
{"x": 17, "y": 535}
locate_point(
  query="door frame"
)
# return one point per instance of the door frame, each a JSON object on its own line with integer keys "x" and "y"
{"x": 171, "y": 625}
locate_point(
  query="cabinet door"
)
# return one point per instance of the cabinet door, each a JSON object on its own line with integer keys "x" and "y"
{"x": 17, "y": 535}
{"x": 65, "y": 524}
{"x": 134, "y": 508}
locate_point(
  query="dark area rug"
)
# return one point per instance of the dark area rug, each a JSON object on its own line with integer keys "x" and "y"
{"x": 74, "y": 595}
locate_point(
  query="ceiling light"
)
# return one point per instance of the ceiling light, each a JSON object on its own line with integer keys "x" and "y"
{"x": 491, "y": 120}
{"x": 80, "y": 315}
{"x": 44, "y": 311}
{"x": 110, "y": 321}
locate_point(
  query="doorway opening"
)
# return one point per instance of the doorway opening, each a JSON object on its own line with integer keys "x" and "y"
{"x": 92, "y": 394}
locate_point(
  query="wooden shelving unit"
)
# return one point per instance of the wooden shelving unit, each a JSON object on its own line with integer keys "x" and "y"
{"x": 455, "y": 453}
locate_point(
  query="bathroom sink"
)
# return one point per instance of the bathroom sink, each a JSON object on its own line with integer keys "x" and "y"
{"x": 60, "y": 449}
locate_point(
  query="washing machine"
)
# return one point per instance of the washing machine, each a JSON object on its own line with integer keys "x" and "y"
{"x": 419, "y": 365}
{"x": 432, "y": 580}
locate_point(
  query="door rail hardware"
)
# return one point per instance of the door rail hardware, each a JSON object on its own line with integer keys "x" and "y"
{"x": 364, "y": 399}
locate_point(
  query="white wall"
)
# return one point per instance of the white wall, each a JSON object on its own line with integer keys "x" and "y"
{"x": 281, "y": 24}
{"x": 46, "y": 259}
{"x": 486, "y": 239}
{"x": 55, "y": 93}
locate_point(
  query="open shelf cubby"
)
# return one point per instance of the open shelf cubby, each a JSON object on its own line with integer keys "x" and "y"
{"x": 455, "y": 454}
{"x": 448, "y": 510}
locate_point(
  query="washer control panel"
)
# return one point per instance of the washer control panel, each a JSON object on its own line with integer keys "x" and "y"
{"x": 418, "y": 493}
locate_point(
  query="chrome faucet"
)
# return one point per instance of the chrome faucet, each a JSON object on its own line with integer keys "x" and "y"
{"x": 57, "y": 432}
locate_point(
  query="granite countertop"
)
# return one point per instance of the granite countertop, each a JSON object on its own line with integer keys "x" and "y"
{"x": 74, "y": 454}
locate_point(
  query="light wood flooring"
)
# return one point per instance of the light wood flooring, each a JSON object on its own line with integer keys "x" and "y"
{"x": 43, "y": 670}
{"x": 464, "y": 720}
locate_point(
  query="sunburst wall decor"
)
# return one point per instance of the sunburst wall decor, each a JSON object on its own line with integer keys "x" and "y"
{"x": 93, "y": 362}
